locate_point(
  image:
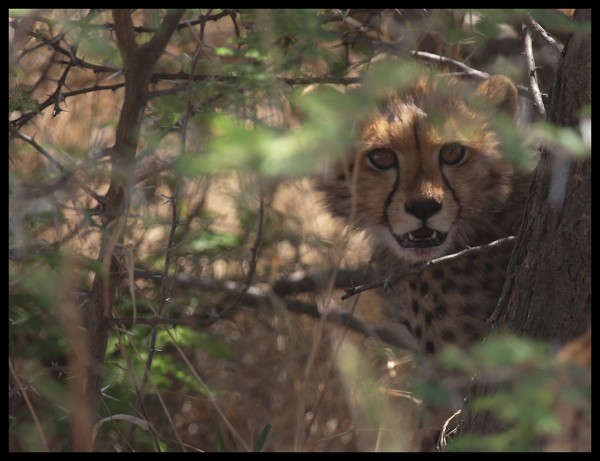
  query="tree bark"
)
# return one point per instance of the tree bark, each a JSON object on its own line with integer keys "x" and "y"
{"x": 547, "y": 294}
{"x": 138, "y": 62}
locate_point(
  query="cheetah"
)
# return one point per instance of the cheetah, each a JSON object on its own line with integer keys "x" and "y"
{"x": 428, "y": 178}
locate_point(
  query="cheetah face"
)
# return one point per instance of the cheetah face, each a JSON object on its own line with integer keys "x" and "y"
{"x": 427, "y": 174}
{"x": 421, "y": 213}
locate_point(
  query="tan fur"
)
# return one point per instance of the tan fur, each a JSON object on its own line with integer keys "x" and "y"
{"x": 474, "y": 201}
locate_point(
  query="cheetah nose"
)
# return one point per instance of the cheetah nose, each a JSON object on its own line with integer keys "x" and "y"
{"x": 423, "y": 208}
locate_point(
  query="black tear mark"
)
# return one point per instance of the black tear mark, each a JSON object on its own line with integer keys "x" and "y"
{"x": 416, "y": 134}
{"x": 388, "y": 200}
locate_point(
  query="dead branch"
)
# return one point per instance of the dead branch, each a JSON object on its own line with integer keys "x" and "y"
{"x": 541, "y": 32}
{"x": 138, "y": 62}
{"x": 534, "y": 89}
{"x": 251, "y": 300}
{"x": 395, "y": 276}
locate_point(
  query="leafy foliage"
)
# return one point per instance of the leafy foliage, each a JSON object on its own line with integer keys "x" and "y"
{"x": 20, "y": 99}
{"x": 525, "y": 399}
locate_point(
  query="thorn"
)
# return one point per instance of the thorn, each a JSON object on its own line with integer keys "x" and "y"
{"x": 386, "y": 285}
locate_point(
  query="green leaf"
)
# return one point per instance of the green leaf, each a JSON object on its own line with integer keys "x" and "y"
{"x": 575, "y": 142}
{"x": 222, "y": 51}
{"x": 262, "y": 438}
{"x": 20, "y": 99}
{"x": 212, "y": 242}
{"x": 220, "y": 442}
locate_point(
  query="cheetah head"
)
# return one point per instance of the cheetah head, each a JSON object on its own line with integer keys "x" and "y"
{"x": 428, "y": 174}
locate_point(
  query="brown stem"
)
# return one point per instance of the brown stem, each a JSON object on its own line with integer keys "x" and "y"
{"x": 138, "y": 62}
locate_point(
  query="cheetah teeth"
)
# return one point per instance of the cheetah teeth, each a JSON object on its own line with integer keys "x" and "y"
{"x": 414, "y": 238}
{"x": 422, "y": 238}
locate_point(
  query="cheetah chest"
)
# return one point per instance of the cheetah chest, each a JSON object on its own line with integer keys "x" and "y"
{"x": 450, "y": 303}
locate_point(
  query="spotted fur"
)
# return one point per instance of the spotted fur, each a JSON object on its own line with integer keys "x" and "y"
{"x": 428, "y": 178}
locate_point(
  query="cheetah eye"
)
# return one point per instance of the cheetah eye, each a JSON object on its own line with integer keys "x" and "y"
{"x": 382, "y": 159}
{"x": 452, "y": 153}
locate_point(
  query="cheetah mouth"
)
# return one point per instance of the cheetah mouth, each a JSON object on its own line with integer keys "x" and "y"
{"x": 422, "y": 238}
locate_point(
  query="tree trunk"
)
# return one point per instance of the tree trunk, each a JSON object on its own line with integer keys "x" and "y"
{"x": 138, "y": 62}
{"x": 547, "y": 294}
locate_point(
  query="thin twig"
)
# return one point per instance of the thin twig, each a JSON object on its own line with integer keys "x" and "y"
{"x": 159, "y": 396}
{"x": 394, "y": 50}
{"x": 253, "y": 259}
{"x": 332, "y": 368}
{"x": 38, "y": 426}
{"x": 257, "y": 296}
{"x": 534, "y": 89}
{"x": 397, "y": 275}
{"x": 57, "y": 93}
{"x": 110, "y": 27}
{"x": 170, "y": 245}
{"x": 18, "y": 122}
{"x": 164, "y": 278}
{"x": 174, "y": 76}
{"x": 310, "y": 283}
{"x": 163, "y": 302}
{"x": 445, "y": 434}
{"x": 257, "y": 241}
{"x": 29, "y": 140}
{"x": 453, "y": 62}
{"x": 210, "y": 395}
{"x": 541, "y": 32}
{"x": 523, "y": 90}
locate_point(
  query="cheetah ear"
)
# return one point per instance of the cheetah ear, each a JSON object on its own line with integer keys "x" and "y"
{"x": 500, "y": 93}
{"x": 298, "y": 114}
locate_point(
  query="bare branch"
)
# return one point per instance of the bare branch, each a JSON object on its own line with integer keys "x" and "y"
{"x": 338, "y": 317}
{"x": 154, "y": 48}
{"x": 157, "y": 319}
{"x": 256, "y": 295}
{"x": 170, "y": 76}
{"x": 51, "y": 42}
{"x": 125, "y": 36}
{"x": 541, "y": 32}
{"x": 37, "y": 424}
{"x": 394, "y": 277}
{"x": 18, "y": 122}
{"x": 453, "y": 62}
{"x": 394, "y": 50}
{"x": 257, "y": 241}
{"x": 57, "y": 93}
{"x": 56, "y": 163}
{"x": 52, "y": 99}
{"x": 523, "y": 91}
{"x": 138, "y": 29}
{"x": 309, "y": 283}
{"x": 251, "y": 270}
{"x": 170, "y": 245}
{"x": 29, "y": 140}
{"x": 534, "y": 89}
